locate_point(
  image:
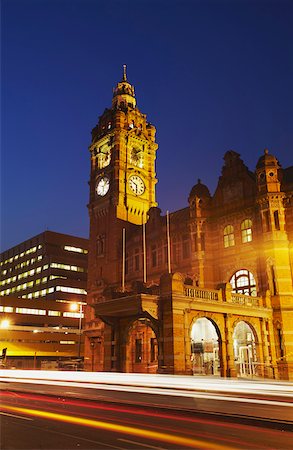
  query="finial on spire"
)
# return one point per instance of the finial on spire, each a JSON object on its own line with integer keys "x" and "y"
{"x": 266, "y": 151}
{"x": 124, "y": 73}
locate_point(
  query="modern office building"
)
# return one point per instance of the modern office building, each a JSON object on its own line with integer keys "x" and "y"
{"x": 204, "y": 290}
{"x": 41, "y": 280}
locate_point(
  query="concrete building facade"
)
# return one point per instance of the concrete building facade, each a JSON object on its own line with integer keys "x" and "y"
{"x": 41, "y": 279}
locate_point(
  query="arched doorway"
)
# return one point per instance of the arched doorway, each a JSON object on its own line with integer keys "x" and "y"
{"x": 141, "y": 348}
{"x": 245, "y": 354}
{"x": 205, "y": 348}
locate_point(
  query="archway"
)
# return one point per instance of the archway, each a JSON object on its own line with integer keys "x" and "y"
{"x": 205, "y": 348}
{"x": 141, "y": 347}
{"x": 245, "y": 354}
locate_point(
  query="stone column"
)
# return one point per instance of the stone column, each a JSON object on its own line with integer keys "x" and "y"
{"x": 273, "y": 356}
{"x": 188, "y": 365}
{"x": 231, "y": 370}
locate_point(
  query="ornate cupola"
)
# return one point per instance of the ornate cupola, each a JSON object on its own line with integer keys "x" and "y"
{"x": 198, "y": 199}
{"x": 267, "y": 170}
{"x": 123, "y": 93}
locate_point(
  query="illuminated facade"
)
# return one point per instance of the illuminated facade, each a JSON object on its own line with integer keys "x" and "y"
{"x": 206, "y": 290}
{"x": 41, "y": 279}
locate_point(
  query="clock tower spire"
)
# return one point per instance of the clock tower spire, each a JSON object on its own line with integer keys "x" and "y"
{"x": 123, "y": 153}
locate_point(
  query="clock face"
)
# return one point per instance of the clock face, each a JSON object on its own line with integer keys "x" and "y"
{"x": 136, "y": 184}
{"x": 102, "y": 186}
{"x": 104, "y": 156}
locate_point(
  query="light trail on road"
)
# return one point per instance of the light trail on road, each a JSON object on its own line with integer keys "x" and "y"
{"x": 169, "y": 429}
{"x": 138, "y": 432}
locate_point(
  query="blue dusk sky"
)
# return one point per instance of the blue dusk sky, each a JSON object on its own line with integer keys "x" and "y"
{"x": 210, "y": 75}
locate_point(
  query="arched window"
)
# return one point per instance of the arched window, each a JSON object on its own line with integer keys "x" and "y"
{"x": 246, "y": 231}
{"x": 243, "y": 282}
{"x": 229, "y": 236}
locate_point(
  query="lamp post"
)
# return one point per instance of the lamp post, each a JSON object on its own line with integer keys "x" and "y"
{"x": 5, "y": 325}
{"x": 75, "y": 307}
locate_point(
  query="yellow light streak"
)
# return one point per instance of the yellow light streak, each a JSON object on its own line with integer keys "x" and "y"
{"x": 147, "y": 434}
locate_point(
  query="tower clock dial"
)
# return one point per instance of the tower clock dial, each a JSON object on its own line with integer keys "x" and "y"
{"x": 136, "y": 184}
{"x": 102, "y": 186}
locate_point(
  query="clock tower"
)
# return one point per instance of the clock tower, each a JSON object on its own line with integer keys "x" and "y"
{"x": 122, "y": 183}
{"x": 123, "y": 153}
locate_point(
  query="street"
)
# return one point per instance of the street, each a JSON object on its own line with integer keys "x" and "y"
{"x": 34, "y": 421}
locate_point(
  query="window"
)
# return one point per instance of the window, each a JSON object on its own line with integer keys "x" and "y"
{"x": 54, "y": 313}
{"x": 39, "y": 312}
{"x": 276, "y": 220}
{"x": 229, "y": 236}
{"x": 243, "y": 282}
{"x": 246, "y": 231}
{"x": 69, "y": 248}
{"x": 71, "y": 290}
{"x": 138, "y": 350}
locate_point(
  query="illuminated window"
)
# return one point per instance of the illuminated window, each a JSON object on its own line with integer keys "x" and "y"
{"x": 66, "y": 267}
{"x": 70, "y": 290}
{"x": 54, "y": 277}
{"x": 54, "y": 313}
{"x": 75, "y": 315}
{"x": 229, "y": 236}
{"x": 243, "y": 282}
{"x": 6, "y": 309}
{"x": 75, "y": 249}
{"x": 37, "y": 312}
{"x": 246, "y": 231}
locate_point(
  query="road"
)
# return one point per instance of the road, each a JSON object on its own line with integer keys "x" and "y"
{"x": 68, "y": 410}
{"x": 43, "y": 422}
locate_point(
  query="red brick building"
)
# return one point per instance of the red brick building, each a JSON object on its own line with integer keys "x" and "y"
{"x": 206, "y": 290}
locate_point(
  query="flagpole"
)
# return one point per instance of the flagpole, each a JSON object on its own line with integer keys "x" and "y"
{"x": 168, "y": 242}
{"x": 123, "y": 259}
{"x": 144, "y": 250}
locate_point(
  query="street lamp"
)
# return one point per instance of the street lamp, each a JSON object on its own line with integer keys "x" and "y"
{"x": 5, "y": 324}
{"x": 76, "y": 307}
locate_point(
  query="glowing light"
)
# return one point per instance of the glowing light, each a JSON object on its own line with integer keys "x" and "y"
{"x": 5, "y": 323}
{"x": 74, "y": 307}
{"x": 147, "y": 434}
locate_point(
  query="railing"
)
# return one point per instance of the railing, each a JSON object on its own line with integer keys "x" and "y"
{"x": 203, "y": 294}
{"x": 247, "y": 300}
